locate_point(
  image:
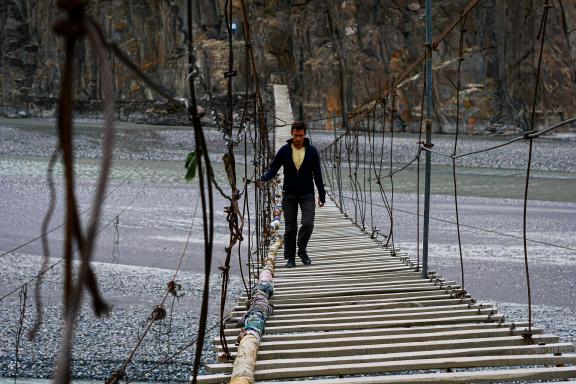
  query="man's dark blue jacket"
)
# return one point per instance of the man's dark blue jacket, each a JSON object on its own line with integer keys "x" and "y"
{"x": 301, "y": 181}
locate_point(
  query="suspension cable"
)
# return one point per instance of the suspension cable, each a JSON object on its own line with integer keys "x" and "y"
{"x": 458, "y": 88}
{"x": 541, "y": 35}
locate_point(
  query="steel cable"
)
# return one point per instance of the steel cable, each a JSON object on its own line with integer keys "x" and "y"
{"x": 458, "y": 87}
{"x": 541, "y": 35}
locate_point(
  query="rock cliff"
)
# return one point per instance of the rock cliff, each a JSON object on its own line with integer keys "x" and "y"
{"x": 334, "y": 54}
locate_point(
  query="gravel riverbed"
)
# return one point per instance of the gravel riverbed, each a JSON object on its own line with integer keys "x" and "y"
{"x": 101, "y": 345}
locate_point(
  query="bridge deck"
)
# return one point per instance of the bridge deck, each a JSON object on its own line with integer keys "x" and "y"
{"x": 358, "y": 310}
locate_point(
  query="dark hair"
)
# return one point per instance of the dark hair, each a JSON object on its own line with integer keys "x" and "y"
{"x": 298, "y": 125}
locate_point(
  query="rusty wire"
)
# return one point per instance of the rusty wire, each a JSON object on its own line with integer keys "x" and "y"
{"x": 45, "y": 246}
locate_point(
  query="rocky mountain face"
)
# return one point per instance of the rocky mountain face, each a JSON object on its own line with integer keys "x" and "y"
{"x": 334, "y": 54}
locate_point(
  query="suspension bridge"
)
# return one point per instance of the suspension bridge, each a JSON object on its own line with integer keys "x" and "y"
{"x": 365, "y": 311}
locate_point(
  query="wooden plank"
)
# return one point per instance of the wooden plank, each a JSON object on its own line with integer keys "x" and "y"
{"x": 329, "y": 267}
{"x": 388, "y": 298}
{"x": 400, "y": 347}
{"x": 403, "y": 293}
{"x": 350, "y": 246}
{"x": 337, "y": 253}
{"x": 389, "y": 331}
{"x": 439, "y": 354}
{"x": 382, "y": 276}
{"x": 500, "y": 375}
{"x": 376, "y": 324}
{"x": 336, "y": 319}
{"x": 410, "y": 365}
{"x": 338, "y": 231}
{"x": 342, "y": 272}
{"x": 353, "y": 287}
{"x": 345, "y": 291}
{"x": 423, "y": 286}
{"x": 366, "y": 308}
{"x": 360, "y": 256}
{"x": 328, "y": 282}
{"x": 313, "y": 342}
{"x": 396, "y": 314}
{"x": 490, "y": 376}
{"x": 359, "y": 259}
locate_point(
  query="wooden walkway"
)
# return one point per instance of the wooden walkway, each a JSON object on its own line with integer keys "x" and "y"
{"x": 358, "y": 311}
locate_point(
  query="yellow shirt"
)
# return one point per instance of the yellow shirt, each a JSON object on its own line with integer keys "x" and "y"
{"x": 298, "y": 155}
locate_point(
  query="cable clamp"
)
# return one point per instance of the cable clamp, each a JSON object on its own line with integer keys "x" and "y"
{"x": 427, "y": 145}
{"x": 174, "y": 288}
{"x": 529, "y": 134}
{"x": 527, "y": 335}
{"x": 159, "y": 313}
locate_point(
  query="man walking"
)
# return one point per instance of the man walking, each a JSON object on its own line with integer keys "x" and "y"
{"x": 302, "y": 170}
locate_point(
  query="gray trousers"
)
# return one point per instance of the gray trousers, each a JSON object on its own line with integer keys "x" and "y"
{"x": 290, "y": 207}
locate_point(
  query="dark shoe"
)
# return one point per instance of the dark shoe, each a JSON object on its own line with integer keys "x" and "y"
{"x": 305, "y": 259}
{"x": 290, "y": 263}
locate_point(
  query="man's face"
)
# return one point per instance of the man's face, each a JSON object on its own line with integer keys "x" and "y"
{"x": 298, "y": 138}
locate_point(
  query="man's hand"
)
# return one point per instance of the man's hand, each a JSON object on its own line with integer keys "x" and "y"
{"x": 260, "y": 184}
{"x": 320, "y": 204}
